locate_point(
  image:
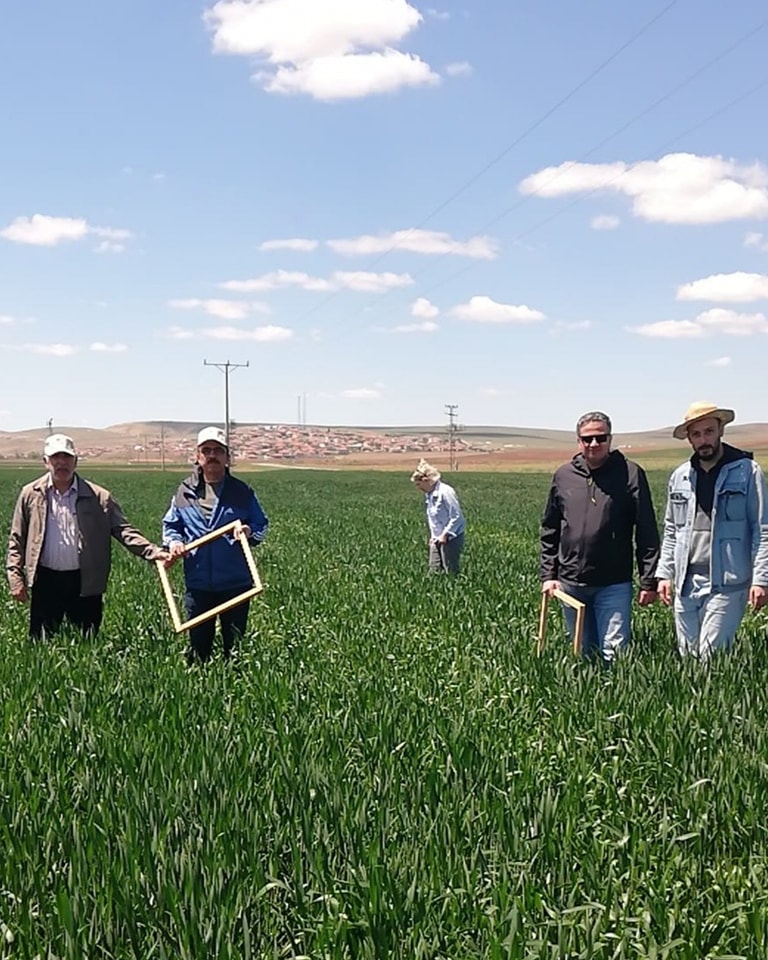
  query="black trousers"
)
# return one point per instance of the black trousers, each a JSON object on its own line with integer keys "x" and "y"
{"x": 56, "y": 597}
{"x": 233, "y": 622}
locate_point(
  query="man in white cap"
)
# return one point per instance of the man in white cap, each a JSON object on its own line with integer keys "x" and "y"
{"x": 714, "y": 553}
{"x": 59, "y": 549}
{"x": 216, "y": 572}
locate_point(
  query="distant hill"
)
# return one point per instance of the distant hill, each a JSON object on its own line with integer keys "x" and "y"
{"x": 174, "y": 441}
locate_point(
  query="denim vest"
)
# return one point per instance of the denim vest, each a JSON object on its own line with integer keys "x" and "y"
{"x": 739, "y": 550}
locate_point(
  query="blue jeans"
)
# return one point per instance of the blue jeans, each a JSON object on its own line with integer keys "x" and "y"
{"x": 706, "y": 620}
{"x": 606, "y": 619}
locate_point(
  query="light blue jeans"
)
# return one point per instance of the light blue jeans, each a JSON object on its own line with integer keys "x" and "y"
{"x": 706, "y": 620}
{"x": 606, "y": 619}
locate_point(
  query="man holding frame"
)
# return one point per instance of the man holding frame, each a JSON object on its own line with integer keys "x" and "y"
{"x": 598, "y": 513}
{"x": 217, "y": 571}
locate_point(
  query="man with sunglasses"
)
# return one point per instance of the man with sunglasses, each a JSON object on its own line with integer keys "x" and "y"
{"x": 598, "y": 513}
{"x": 714, "y": 555}
{"x": 216, "y": 572}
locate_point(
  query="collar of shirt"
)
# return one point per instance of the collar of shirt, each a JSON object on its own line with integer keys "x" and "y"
{"x": 70, "y": 491}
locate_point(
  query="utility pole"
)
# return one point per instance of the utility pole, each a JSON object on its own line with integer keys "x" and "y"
{"x": 225, "y": 368}
{"x": 453, "y": 428}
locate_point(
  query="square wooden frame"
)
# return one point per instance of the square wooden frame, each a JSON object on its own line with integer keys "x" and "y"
{"x": 179, "y": 624}
{"x": 577, "y": 605}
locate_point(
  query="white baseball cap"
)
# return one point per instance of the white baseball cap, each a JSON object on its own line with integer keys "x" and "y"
{"x": 216, "y": 434}
{"x": 59, "y": 443}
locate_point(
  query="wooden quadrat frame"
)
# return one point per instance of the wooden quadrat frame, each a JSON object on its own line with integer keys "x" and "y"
{"x": 179, "y": 624}
{"x": 577, "y": 605}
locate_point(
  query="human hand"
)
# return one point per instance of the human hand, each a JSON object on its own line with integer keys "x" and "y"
{"x": 665, "y": 592}
{"x": 242, "y": 531}
{"x": 646, "y": 597}
{"x": 757, "y": 597}
{"x": 20, "y": 593}
{"x": 549, "y": 587}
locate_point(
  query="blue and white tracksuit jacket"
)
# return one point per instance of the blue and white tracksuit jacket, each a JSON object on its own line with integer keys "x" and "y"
{"x": 219, "y": 565}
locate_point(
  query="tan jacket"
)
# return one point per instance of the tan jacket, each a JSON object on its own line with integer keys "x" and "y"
{"x": 99, "y": 517}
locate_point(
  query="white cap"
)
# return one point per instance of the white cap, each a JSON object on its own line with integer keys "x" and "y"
{"x": 59, "y": 443}
{"x": 212, "y": 433}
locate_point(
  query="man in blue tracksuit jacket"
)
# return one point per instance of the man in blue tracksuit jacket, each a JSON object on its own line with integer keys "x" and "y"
{"x": 715, "y": 546}
{"x": 216, "y": 572}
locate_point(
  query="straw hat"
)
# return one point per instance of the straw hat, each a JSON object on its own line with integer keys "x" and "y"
{"x": 700, "y": 410}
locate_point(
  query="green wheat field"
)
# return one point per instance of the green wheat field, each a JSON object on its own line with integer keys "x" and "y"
{"x": 387, "y": 770}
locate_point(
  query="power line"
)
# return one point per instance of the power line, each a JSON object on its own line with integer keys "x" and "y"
{"x": 453, "y": 427}
{"x": 567, "y": 166}
{"x": 531, "y": 128}
{"x": 609, "y": 181}
{"x": 225, "y": 368}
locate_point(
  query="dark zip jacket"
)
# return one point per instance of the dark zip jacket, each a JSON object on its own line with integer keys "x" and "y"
{"x": 590, "y": 521}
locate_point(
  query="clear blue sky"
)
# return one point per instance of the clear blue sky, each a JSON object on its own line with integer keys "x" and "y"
{"x": 528, "y": 209}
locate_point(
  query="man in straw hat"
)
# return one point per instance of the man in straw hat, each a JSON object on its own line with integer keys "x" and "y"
{"x": 445, "y": 518}
{"x": 715, "y": 545}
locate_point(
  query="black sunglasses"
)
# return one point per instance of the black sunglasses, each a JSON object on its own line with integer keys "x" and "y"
{"x": 595, "y": 438}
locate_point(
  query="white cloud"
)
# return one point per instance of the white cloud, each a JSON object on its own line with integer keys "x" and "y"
{"x": 361, "y": 393}
{"x": 109, "y": 246}
{"x": 99, "y": 347}
{"x": 276, "y": 279}
{"x": 486, "y": 310}
{"x": 366, "y": 282}
{"x": 421, "y": 307}
{"x": 299, "y": 244}
{"x": 6, "y": 319}
{"x": 181, "y": 333}
{"x": 222, "y": 309}
{"x": 350, "y": 76}
{"x": 605, "y": 221}
{"x": 46, "y": 349}
{"x": 437, "y": 14}
{"x": 671, "y": 330}
{"x": 332, "y": 50}
{"x": 44, "y": 231}
{"x": 416, "y": 241}
{"x": 268, "y": 334}
{"x": 719, "y": 362}
{"x": 460, "y": 69}
{"x": 426, "y": 326}
{"x": 493, "y": 393}
{"x": 707, "y": 324}
{"x": 340, "y": 280}
{"x": 756, "y": 240}
{"x": 736, "y": 287}
{"x": 678, "y": 188}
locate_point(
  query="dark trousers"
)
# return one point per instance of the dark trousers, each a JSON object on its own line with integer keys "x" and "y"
{"x": 233, "y": 622}
{"x": 56, "y": 597}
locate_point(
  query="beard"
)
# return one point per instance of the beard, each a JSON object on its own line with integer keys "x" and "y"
{"x": 708, "y": 452}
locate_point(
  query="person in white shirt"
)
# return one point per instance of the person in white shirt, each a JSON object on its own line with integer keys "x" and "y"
{"x": 444, "y": 517}
{"x": 59, "y": 548}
